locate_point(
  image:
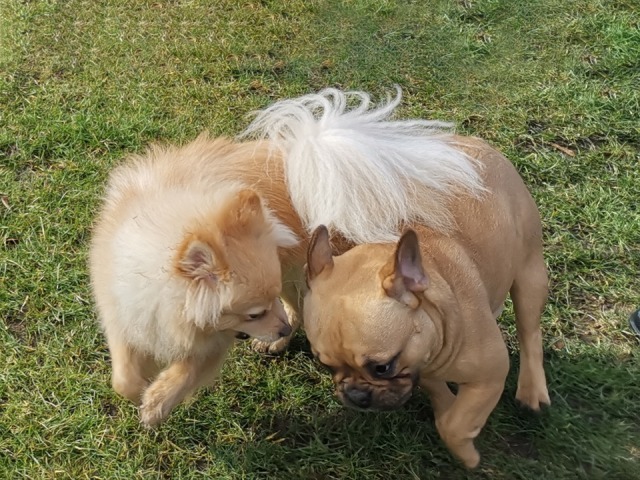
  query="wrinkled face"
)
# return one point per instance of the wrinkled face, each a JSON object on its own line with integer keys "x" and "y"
{"x": 367, "y": 335}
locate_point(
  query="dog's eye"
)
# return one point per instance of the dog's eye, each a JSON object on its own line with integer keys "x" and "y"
{"x": 383, "y": 370}
{"x": 256, "y": 316}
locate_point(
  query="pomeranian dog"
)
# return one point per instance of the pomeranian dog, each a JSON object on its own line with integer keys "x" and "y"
{"x": 179, "y": 268}
{"x": 195, "y": 245}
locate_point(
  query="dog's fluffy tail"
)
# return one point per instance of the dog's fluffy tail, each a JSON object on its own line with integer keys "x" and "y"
{"x": 349, "y": 167}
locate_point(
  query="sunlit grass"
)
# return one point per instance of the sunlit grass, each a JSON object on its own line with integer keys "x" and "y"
{"x": 554, "y": 85}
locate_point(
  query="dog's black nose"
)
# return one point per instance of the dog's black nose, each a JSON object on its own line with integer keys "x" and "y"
{"x": 242, "y": 336}
{"x": 359, "y": 398}
{"x": 285, "y": 330}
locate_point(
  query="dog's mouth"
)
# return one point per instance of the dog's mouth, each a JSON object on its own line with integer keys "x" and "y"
{"x": 378, "y": 407}
{"x": 377, "y": 403}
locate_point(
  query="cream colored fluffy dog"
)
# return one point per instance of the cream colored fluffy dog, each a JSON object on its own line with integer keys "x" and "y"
{"x": 178, "y": 270}
{"x": 195, "y": 244}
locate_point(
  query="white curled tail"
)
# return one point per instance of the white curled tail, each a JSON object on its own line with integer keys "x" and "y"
{"x": 350, "y": 168}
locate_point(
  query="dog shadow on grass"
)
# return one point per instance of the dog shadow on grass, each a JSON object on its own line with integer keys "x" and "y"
{"x": 590, "y": 431}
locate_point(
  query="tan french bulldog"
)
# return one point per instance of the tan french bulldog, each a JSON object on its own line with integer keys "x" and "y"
{"x": 386, "y": 318}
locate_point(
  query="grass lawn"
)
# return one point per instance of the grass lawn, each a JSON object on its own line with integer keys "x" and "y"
{"x": 553, "y": 84}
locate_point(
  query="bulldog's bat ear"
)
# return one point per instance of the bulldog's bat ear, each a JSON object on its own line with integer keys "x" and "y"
{"x": 319, "y": 256}
{"x": 407, "y": 277}
{"x": 408, "y": 262}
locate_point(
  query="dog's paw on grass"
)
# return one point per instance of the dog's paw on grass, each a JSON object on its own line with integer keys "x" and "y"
{"x": 270, "y": 348}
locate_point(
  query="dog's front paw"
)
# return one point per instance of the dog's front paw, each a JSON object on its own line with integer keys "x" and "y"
{"x": 472, "y": 459}
{"x": 152, "y": 409}
{"x": 533, "y": 397}
{"x": 270, "y": 347}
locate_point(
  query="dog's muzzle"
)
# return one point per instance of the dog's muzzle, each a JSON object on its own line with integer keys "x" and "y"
{"x": 357, "y": 397}
{"x": 373, "y": 399}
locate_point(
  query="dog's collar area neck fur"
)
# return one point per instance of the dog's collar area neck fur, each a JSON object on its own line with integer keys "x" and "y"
{"x": 431, "y": 324}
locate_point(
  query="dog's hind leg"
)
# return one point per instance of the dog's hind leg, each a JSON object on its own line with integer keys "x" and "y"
{"x": 529, "y": 295}
{"x": 176, "y": 383}
{"x": 131, "y": 370}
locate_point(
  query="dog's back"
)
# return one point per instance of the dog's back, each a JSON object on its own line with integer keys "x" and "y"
{"x": 501, "y": 231}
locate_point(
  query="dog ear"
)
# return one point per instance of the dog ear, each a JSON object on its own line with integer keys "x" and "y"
{"x": 196, "y": 260}
{"x": 249, "y": 207}
{"x": 319, "y": 256}
{"x": 408, "y": 277}
{"x": 243, "y": 213}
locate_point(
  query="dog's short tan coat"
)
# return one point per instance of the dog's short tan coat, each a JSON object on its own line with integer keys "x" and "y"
{"x": 385, "y": 317}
